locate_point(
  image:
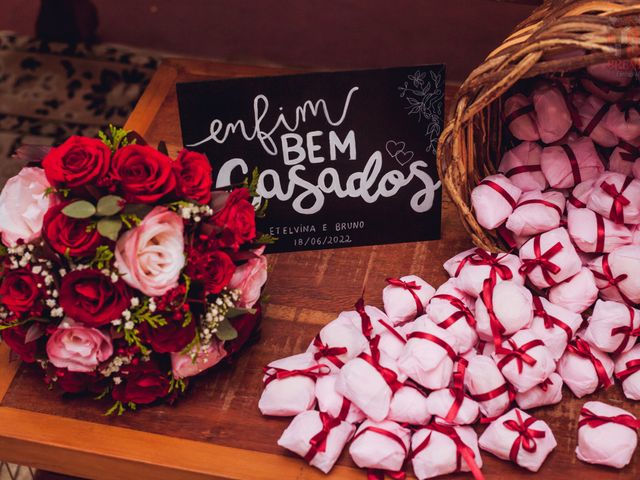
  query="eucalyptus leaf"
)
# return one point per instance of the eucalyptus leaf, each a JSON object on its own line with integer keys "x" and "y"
{"x": 109, "y": 205}
{"x": 34, "y": 332}
{"x": 110, "y": 227}
{"x": 237, "y": 312}
{"x": 226, "y": 331}
{"x": 79, "y": 209}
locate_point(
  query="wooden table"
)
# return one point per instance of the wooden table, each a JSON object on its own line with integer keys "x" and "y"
{"x": 217, "y": 431}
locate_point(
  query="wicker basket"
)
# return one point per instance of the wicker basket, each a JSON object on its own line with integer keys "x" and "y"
{"x": 471, "y": 143}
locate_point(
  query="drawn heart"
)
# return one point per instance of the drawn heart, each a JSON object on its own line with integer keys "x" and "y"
{"x": 404, "y": 157}
{"x": 394, "y": 147}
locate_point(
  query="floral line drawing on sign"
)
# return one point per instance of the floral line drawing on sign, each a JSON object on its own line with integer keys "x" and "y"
{"x": 424, "y": 99}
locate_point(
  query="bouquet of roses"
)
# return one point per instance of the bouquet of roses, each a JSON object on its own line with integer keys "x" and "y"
{"x": 123, "y": 273}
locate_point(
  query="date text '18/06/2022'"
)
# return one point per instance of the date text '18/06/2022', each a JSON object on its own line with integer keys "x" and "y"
{"x": 327, "y": 234}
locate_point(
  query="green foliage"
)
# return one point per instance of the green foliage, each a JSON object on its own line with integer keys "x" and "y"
{"x": 234, "y": 312}
{"x": 261, "y": 211}
{"x": 132, "y": 337}
{"x": 177, "y": 384}
{"x": 252, "y": 185}
{"x": 115, "y": 138}
{"x": 109, "y": 205}
{"x": 266, "y": 239}
{"x": 62, "y": 191}
{"x": 118, "y": 408}
{"x": 103, "y": 258}
{"x": 79, "y": 209}
{"x": 226, "y": 331}
{"x": 110, "y": 227}
{"x": 142, "y": 314}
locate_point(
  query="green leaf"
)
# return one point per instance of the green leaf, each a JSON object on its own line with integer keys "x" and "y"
{"x": 79, "y": 209}
{"x": 234, "y": 312}
{"x": 226, "y": 331}
{"x": 266, "y": 239}
{"x": 109, "y": 205}
{"x": 110, "y": 227}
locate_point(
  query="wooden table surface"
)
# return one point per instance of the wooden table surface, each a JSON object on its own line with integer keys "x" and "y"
{"x": 217, "y": 430}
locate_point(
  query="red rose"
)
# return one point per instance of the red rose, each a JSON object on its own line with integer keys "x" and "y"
{"x": 144, "y": 174}
{"x": 214, "y": 268}
{"x": 15, "y": 338}
{"x": 19, "y": 290}
{"x": 69, "y": 235}
{"x": 246, "y": 325}
{"x": 237, "y": 219}
{"x": 76, "y": 382}
{"x": 143, "y": 383}
{"x": 78, "y": 161}
{"x": 172, "y": 337}
{"x": 92, "y": 298}
{"x": 193, "y": 172}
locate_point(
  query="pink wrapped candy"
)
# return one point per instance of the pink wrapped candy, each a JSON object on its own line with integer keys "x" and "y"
{"x": 333, "y": 403}
{"x": 442, "y": 402}
{"x": 519, "y": 117}
{"x": 593, "y": 233}
{"x": 580, "y": 194}
{"x": 409, "y": 405}
{"x": 536, "y": 212}
{"x": 609, "y": 81}
{"x": 623, "y": 119}
{"x": 554, "y": 325}
{"x": 548, "y": 392}
{"x": 616, "y": 197}
{"x": 606, "y": 435}
{"x": 584, "y": 368}
{"x": 487, "y": 386}
{"x": 502, "y": 309}
{"x": 522, "y": 166}
{"x": 289, "y": 385}
{"x": 552, "y": 113}
{"x": 617, "y": 274}
{"x": 338, "y": 342}
{"x": 569, "y": 164}
{"x": 519, "y": 437}
{"x": 472, "y": 267}
{"x": 524, "y": 360}
{"x": 592, "y": 112}
{"x": 372, "y": 439}
{"x": 625, "y": 157}
{"x": 406, "y": 298}
{"x": 613, "y": 327}
{"x": 549, "y": 258}
{"x": 576, "y": 293}
{"x": 451, "y": 309}
{"x": 429, "y": 354}
{"x": 627, "y": 370}
{"x": 317, "y": 437}
{"x": 493, "y": 200}
{"x": 440, "y": 449}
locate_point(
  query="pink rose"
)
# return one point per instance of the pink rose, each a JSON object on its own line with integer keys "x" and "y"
{"x": 183, "y": 365}
{"x": 249, "y": 278}
{"x": 78, "y": 348}
{"x": 151, "y": 255}
{"x": 23, "y": 205}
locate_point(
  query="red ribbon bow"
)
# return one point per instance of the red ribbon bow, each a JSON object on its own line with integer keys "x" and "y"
{"x": 607, "y": 276}
{"x": 330, "y": 353}
{"x": 482, "y": 257}
{"x": 411, "y": 287}
{"x": 462, "y": 449}
{"x": 497, "y": 329}
{"x": 318, "y": 442}
{"x": 526, "y": 435}
{"x": 631, "y": 152}
{"x": 544, "y": 386}
{"x": 631, "y": 367}
{"x": 495, "y": 393}
{"x": 616, "y": 213}
{"x": 542, "y": 260}
{"x": 366, "y": 325}
{"x": 437, "y": 340}
{"x": 457, "y": 389}
{"x": 519, "y": 354}
{"x": 549, "y": 320}
{"x": 581, "y": 348}
{"x": 388, "y": 375}
{"x": 626, "y": 330}
{"x": 379, "y": 474}
{"x": 463, "y": 311}
{"x": 274, "y": 373}
{"x": 594, "y": 421}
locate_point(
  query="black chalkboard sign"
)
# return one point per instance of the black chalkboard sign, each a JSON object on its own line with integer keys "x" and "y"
{"x": 345, "y": 158}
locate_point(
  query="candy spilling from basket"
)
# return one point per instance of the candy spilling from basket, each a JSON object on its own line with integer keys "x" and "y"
{"x": 405, "y": 385}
